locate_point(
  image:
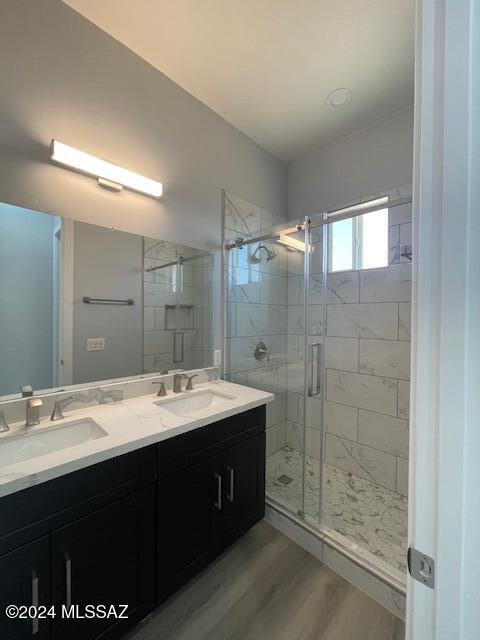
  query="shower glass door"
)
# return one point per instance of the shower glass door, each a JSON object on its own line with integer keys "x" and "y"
{"x": 356, "y": 397}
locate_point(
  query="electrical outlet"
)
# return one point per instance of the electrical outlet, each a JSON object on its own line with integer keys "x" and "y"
{"x": 217, "y": 358}
{"x": 95, "y": 344}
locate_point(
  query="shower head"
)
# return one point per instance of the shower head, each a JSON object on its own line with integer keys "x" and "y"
{"x": 271, "y": 254}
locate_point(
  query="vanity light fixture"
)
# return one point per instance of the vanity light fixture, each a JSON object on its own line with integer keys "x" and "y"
{"x": 109, "y": 175}
{"x": 293, "y": 243}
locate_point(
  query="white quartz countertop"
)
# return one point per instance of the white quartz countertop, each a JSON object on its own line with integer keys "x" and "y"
{"x": 129, "y": 425}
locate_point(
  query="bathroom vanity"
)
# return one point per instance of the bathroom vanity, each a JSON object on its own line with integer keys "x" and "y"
{"x": 135, "y": 526}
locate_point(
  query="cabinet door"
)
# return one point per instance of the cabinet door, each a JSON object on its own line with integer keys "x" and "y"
{"x": 243, "y": 469}
{"x": 186, "y": 515}
{"x": 25, "y": 581}
{"x": 106, "y": 558}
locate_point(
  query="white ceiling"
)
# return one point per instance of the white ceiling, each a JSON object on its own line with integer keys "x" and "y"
{"x": 267, "y": 66}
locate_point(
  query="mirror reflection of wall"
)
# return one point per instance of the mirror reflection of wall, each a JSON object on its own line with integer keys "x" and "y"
{"x": 78, "y": 303}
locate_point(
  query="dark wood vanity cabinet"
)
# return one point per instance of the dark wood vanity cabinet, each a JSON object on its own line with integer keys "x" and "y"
{"x": 25, "y": 580}
{"x": 213, "y": 491}
{"x": 130, "y": 530}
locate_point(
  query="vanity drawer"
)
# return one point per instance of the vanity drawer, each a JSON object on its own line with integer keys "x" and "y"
{"x": 193, "y": 446}
{"x": 30, "y": 513}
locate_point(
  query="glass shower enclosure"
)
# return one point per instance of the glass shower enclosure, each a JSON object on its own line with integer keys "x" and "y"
{"x": 318, "y": 313}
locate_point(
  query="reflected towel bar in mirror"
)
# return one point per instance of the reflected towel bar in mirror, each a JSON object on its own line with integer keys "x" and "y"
{"x": 89, "y": 300}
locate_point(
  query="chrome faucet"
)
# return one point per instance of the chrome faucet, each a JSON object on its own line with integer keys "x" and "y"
{"x": 177, "y": 381}
{"x": 33, "y": 411}
{"x": 3, "y": 423}
{"x": 101, "y": 396}
{"x": 189, "y": 386}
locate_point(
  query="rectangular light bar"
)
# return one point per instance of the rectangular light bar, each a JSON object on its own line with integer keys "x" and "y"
{"x": 108, "y": 174}
{"x": 293, "y": 243}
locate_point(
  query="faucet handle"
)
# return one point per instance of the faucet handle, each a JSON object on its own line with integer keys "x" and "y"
{"x": 27, "y": 391}
{"x": 189, "y": 386}
{"x": 57, "y": 412}
{"x": 3, "y": 423}
{"x": 162, "y": 391}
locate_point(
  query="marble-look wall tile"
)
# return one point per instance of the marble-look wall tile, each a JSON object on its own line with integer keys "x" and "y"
{"x": 394, "y": 244}
{"x": 243, "y": 285}
{"x": 379, "y": 321}
{"x": 296, "y": 320}
{"x": 388, "y": 284}
{"x": 343, "y": 287}
{"x": 363, "y": 391}
{"x": 259, "y": 319}
{"x": 271, "y": 440}
{"x": 159, "y": 342}
{"x": 240, "y": 215}
{"x": 276, "y": 409}
{"x": 313, "y": 412}
{"x": 273, "y": 289}
{"x": 341, "y": 353}
{"x": 405, "y": 239}
{"x": 149, "y": 318}
{"x": 366, "y": 462}
{"x": 383, "y": 432}
{"x": 400, "y": 215}
{"x": 402, "y": 476}
{"x": 403, "y": 399}
{"x": 295, "y": 435}
{"x": 404, "y": 320}
{"x": 341, "y": 420}
{"x": 295, "y": 290}
{"x": 295, "y": 375}
{"x": 313, "y": 443}
{"x": 387, "y": 358}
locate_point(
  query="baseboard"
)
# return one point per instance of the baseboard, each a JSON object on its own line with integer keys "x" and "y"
{"x": 389, "y": 596}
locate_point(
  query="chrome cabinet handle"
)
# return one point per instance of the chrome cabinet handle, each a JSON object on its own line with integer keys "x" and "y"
{"x": 218, "y": 503}
{"x": 68, "y": 579}
{"x": 35, "y": 600}
{"x": 231, "y": 490}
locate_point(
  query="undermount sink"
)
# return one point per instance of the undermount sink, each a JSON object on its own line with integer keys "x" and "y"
{"x": 28, "y": 445}
{"x": 194, "y": 402}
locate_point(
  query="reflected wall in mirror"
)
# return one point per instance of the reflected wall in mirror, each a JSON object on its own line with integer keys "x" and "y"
{"x": 81, "y": 303}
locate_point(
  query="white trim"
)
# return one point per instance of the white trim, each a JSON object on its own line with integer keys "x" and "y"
{"x": 444, "y": 440}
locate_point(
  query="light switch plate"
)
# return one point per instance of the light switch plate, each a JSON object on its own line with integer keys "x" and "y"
{"x": 217, "y": 358}
{"x": 95, "y": 344}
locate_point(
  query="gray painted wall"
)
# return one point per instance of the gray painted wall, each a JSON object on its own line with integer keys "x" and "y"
{"x": 370, "y": 161}
{"x": 26, "y": 299}
{"x": 107, "y": 264}
{"x": 63, "y": 77}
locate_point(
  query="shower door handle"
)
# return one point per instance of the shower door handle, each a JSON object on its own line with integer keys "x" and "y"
{"x": 316, "y": 373}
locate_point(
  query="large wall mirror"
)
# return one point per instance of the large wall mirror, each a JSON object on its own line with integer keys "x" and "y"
{"x": 81, "y": 303}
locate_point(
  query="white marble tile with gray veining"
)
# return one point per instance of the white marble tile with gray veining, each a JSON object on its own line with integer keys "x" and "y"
{"x": 404, "y": 320}
{"x": 388, "y": 284}
{"x": 403, "y": 399}
{"x": 240, "y": 215}
{"x": 402, "y": 476}
{"x": 343, "y": 287}
{"x": 378, "y": 321}
{"x": 372, "y": 516}
{"x": 387, "y": 358}
{"x": 383, "y": 432}
{"x": 341, "y": 420}
{"x": 364, "y": 461}
{"x": 260, "y": 319}
{"x": 341, "y": 353}
{"x": 363, "y": 391}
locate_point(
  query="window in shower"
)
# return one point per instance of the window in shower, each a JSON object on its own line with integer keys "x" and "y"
{"x": 360, "y": 242}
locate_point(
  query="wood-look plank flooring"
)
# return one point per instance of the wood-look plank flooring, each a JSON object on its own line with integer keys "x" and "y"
{"x": 265, "y": 587}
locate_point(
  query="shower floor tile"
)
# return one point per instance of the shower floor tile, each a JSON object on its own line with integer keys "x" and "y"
{"x": 364, "y": 513}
